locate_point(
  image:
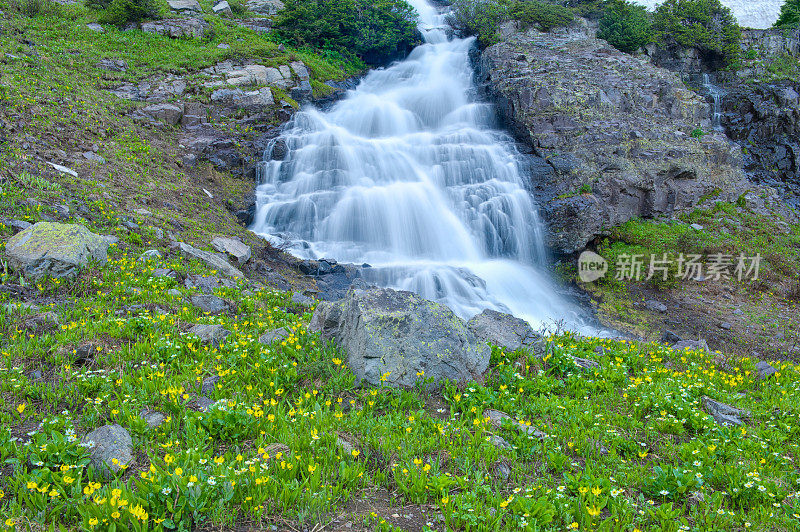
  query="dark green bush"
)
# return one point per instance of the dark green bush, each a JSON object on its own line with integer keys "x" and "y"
{"x": 238, "y": 7}
{"x": 542, "y": 15}
{"x": 790, "y": 14}
{"x": 373, "y": 30}
{"x": 121, "y": 12}
{"x": 703, "y": 24}
{"x": 625, "y": 26}
{"x": 34, "y": 8}
{"x": 483, "y": 18}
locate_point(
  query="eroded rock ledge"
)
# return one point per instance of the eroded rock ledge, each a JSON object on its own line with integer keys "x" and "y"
{"x": 614, "y": 132}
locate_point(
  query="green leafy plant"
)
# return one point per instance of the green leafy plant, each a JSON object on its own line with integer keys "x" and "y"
{"x": 703, "y": 24}
{"x": 373, "y": 31}
{"x": 790, "y": 14}
{"x": 483, "y": 18}
{"x": 121, "y": 12}
{"x": 626, "y": 26}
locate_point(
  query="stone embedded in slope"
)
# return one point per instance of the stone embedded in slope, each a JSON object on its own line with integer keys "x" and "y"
{"x": 177, "y": 28}
{"x": 724, "y": 414}
{"x": 58, "y": 250}
{"x": 234, "y": 248}
{"x": 210, "y": 334}
{"x": 165, "y": 112}
{"x": 215, "y": 260}
{"x": 274, "y": 335}
{"x": 222, "y": 8}
{"x": 498, "y": 419}
{"x": 390, "y": 336}
{"x": 209, "y": 304}
{"x": 266, "y": 7}
{"x": 502, "y": 330}
{"x": 111, "y": 446}
{"x": 185, "y": 5}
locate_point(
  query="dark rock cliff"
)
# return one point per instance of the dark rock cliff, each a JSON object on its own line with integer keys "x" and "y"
{"x": 613, "y": 130}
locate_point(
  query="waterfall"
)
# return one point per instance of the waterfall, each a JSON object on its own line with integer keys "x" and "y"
{"x": 716, "y": 96}
{"x": 410, "y": 174}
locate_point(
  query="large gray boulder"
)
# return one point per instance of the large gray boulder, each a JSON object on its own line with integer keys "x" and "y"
{"x": 234, "y": 248}
{"x": 111, "y": 448}
{"x": 724, "y": 414}
{"x": 210, "y": 334}
{"x": 390, "y": 336}
{"x": 502, "y": 330}
{"x": 58, "y": 250}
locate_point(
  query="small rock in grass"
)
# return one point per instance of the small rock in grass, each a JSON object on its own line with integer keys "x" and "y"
{"x": 274, "y": 335}
{"x": 150, "y": 254}
{"x": 209, "y": 385}
{"x": 655, "y": 306}
{"x": 42, "y": 322}
{"x": 500, "y": 442}
{"x": 502, "y": 470}
{"x": 209, "y": 304}
{"x": 210, "y": 334}
{"x": 498, "y": 418}
{"x": 765, "y": 370}
{"x": 300, "y": 299}
{"x": 163, "y": 272}
{"x": 696, "y": 227}
{"x": 174, "y": 292}
{"x": 111, "y": 447}
{"x": 669, "y": 337}
{"x": 152, "y": 418}
{"x": 725, "y": 326}
{"x": 724, "y": 414}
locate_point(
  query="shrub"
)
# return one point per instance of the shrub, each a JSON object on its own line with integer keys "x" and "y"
{"x": 34, "y": 8}
{"x": 542, "y": 15}
{"x": 625, "y": 26}
{"x": 121, "y": 12}
{"x": 703, "y": 24}
{"x": 483, "y": 18}
{"x": 374, "y": 30}
{"x": 790, "y": 14}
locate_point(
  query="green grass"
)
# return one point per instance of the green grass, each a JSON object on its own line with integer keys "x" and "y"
{"x": 268, "y": 448}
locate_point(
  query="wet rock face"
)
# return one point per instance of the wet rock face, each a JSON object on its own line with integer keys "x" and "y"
{"x": 392, "y": 337}
{"x": 609, "y": 133}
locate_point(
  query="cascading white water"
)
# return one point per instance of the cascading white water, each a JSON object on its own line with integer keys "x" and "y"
{"x": 409, "y": 174}
{"x": 716, "y": 98}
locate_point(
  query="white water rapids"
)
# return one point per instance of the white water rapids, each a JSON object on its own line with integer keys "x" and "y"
{"x": 409, "y": 174}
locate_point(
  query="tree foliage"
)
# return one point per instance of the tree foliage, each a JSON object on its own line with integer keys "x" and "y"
{"x": 790, "y": 14}
{"x": 374, "y": 30}
{"x": 703, "y": 24}
{"x": 483, "y": 18}
{"x": 625, "y": 26}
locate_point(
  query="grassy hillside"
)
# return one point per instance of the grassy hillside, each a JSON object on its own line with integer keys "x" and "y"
{"x": 248, "y": 435}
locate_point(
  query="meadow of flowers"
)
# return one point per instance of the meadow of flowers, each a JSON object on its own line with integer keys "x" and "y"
{"x": 291, "y": 440}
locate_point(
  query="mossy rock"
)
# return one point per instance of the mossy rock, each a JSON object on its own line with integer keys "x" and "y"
{"x": 56, "y": 250}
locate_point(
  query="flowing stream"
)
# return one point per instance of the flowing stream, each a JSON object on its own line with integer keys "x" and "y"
{"x": 410, "y": 174}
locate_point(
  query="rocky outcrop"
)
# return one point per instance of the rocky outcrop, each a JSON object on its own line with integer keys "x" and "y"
{"x": 52, "y": 249}
{"x": 765, "y": 120}
{"x": 611, "y": 133}
{"x": 177, "y": 27}
{"x": 393, "y": 337}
